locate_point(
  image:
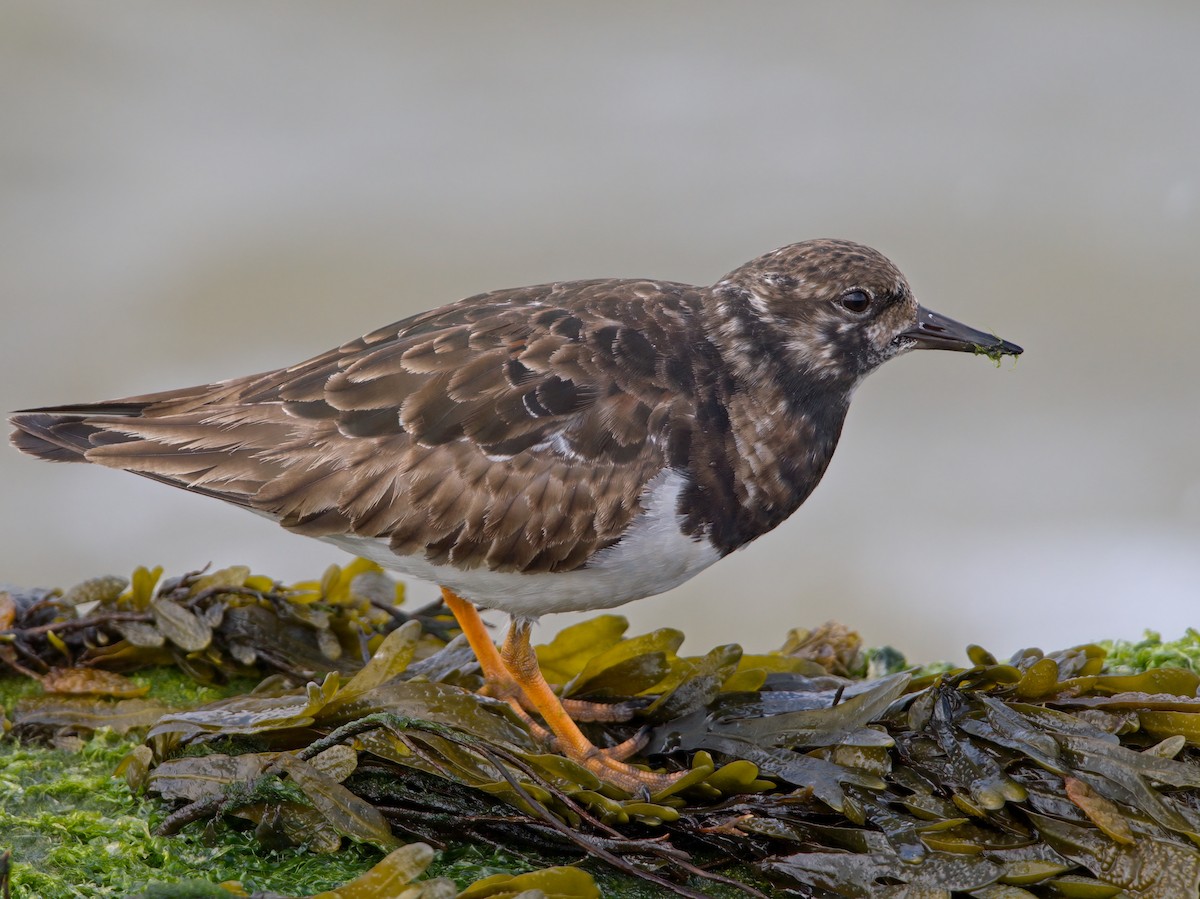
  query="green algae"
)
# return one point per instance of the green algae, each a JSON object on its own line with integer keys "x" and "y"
{"x": 13, "y": 689}
{"x": 75, "y": 830}
{"x": 1126, "y": 656}
{"x": 995, "y": 352}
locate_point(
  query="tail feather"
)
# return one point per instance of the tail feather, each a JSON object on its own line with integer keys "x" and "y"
{"x": 29, "y": 441}
{"x": 66, "y": 433}
{"x": 117, "y": 409}
{"x": 69, "y": 433}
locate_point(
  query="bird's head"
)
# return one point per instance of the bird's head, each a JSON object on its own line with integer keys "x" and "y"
{"x": 843, "y": 309}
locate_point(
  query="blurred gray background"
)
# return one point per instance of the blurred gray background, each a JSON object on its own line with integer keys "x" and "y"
{"x": 192, "y": 191}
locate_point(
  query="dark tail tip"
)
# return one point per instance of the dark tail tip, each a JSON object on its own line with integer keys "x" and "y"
{"x": 35, "y": 436}
{"x": 51, "y": 436}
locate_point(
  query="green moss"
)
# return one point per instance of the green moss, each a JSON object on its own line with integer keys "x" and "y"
{"x": 175, "y": 688}
{"x": 1129, "y": 657}
{"x": 167, "y": 684}
{"x": 187, "y": 889}
{"x": 16, "y": 688}
{"x": 471, "y": 862}
{"x": 75, "y": 830}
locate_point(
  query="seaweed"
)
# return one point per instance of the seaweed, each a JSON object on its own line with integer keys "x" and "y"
{"x": 214, "y": 626}
{"x": 822, "y": 769}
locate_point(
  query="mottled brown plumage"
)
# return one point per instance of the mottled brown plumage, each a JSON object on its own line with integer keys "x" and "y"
{"x": 567, "y": 446}
{"x": 513, "y": 430}
{"x": 517, "y": 430}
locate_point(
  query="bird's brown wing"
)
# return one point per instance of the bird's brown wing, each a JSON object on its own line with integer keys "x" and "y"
{"x": 513, "y": 430}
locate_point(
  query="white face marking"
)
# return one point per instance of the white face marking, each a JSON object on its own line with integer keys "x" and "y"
{"x": 822, "y": 357}
{"x": 652, "y": 557}
{"x": 760, "y": 305}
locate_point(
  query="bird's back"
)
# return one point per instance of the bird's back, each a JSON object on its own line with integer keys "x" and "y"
{"x": 514, "y": 431}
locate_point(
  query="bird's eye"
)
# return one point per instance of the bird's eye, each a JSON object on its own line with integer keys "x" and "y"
{"x": 856, "y": 301}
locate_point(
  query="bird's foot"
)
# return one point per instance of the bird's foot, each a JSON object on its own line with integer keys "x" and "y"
{"x": 601, "y": 712}
{"x": 609, "y": 766}
{"x": 513, "y": 676}
{"x": 621, "y": 752}
{"x": 626, "y": 750}
{"x": 507, "y": 689}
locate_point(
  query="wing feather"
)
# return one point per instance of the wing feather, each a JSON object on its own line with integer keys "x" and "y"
{"x": 514, "y": 430}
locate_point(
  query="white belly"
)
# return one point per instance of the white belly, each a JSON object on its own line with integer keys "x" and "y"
{"x": 651, "y": 558}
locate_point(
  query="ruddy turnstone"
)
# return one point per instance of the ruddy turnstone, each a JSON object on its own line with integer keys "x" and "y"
{"x": 568, "y": 446}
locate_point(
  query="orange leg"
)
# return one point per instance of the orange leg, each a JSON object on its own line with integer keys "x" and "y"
{"x": 514, "y": 676}
{"x": 521, "y": 661}
{"x": 477, "y": 635}
{"x": 500, "y": 682}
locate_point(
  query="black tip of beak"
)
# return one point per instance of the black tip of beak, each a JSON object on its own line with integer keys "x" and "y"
{"x": 937, "y": 332}
{"x": 1008, "y": 348}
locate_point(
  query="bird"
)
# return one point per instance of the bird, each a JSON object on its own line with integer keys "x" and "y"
{"x": 567, "y": 446}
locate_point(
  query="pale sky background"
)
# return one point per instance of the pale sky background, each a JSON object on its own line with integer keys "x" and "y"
{"x": 192, "y": 191}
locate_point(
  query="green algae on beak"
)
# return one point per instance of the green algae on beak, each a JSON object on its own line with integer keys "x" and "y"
{"x": 934, "y": 331}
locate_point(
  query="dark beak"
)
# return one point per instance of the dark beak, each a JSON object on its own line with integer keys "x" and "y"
{"x": 936, "y": 332}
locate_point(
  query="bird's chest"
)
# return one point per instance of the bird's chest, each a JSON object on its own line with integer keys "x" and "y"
{"x": 755, "y": 473}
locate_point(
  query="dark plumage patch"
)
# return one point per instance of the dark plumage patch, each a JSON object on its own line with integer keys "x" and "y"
{"x": 557, "y": 396}
{"x": 605, "y": 339}
{"x": 635, "y": 352}
{"x": 568, "y": 326}
{"x": 546, "y": 318}
{"x": 515, "y": 373}
{"x": 313, "y": 409}
{"x": 370, "y": 423}
{"x": 679, "y": 373}
{"x": 510, "y": 446}
{"x": 534, "y": 406}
